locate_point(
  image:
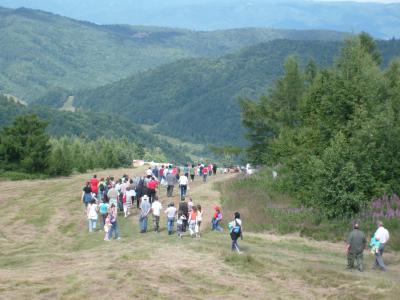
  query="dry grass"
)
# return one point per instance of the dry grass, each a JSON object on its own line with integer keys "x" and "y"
{"x": 46, "y": 253}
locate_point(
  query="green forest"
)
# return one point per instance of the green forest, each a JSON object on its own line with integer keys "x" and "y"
{"x": 92, "y": 132}
{"x": 178, "y": 97}
{"x": 332, "y": 134}
{"x": 40, "y": 51}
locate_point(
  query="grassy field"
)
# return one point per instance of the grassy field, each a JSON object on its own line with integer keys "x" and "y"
{"x": 47, "y": 253}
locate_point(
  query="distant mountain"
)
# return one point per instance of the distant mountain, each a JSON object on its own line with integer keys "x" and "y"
{"x": 196, "y": 99}
{"x": 381, "y": 20}
{"x": 40, "y": 51}
{"x": 91, "y": 126}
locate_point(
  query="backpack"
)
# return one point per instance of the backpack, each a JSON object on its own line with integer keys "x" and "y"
{"x": 234, "y": 227}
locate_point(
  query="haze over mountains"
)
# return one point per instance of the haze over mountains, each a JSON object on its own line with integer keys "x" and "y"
{"x": 379, "y": 19}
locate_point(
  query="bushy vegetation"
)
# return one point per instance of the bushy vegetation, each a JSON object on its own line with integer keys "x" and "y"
{"x": 25, "y": 147}
{"x": 198, "y": 102}
{"x": 264, "y": 208}
{"x": 332, "y": 135}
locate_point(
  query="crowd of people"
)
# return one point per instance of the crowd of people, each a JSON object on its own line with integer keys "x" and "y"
{"x": 107, "y": 198}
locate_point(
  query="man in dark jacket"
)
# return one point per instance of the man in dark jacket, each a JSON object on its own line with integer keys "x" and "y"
{"x": 171, "y": 181}
{"x": 356, "y": 242}
{"x": 184, "y": 208}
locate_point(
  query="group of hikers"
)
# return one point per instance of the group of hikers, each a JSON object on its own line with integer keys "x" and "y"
{"x": 105, "y": 198}
{"x": 357, "y": 242}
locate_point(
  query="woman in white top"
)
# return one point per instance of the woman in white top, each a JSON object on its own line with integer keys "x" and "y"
{"x": 92, "y": 215}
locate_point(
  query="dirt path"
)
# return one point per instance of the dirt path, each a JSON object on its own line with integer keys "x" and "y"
{"x": 46, "y": 253}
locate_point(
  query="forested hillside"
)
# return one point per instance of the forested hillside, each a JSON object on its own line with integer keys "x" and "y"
{"x": 197, "y": 99}
{"x": 40, "y": 51}
{"x": 334, "y": 136}
{"x": 91, "y": 126}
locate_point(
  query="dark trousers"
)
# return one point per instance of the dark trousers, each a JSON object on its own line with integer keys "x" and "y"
{"x": 170, "y": 189}
{"x": 355, "y": 257}
{"x": 152, "y": 194}
{"x": 235, "y": 246}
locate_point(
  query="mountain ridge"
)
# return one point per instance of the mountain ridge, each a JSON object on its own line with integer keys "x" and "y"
{"x": 73, "y": 54}
{"x": 381, "y": 20}
{"x": 179, "y": 96}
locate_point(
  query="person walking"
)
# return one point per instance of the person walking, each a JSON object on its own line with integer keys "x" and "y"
{"x": 171, "y": 182}
{"x": 87, "y": 194}
{"x": 183, "y": 184}
{"x": 235, "y": 231}
{"x": 92, "y": 216}
{"x": 382, "y": 235}
{"x": 113, "y": 196}
{"x": 184, "y": 208}
{"x": 156, "y": 210}
{"x": 356, "y": 243}
{"x": 170, "y": 212}
{"x": 205, "y": 174}
{"x": 152, "y": 186}
{"x": 114, "y": 224}
{"x": 144, "y": 212}
{"x": 94, "y": 183}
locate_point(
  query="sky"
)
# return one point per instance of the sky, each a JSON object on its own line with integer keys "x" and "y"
{"x": 375, "y": 1}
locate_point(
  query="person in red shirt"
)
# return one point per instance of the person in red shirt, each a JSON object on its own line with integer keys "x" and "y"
{"x": 205, "y": 173}
{"x": 94, "y": 183}
{"x": 152, "y": 185}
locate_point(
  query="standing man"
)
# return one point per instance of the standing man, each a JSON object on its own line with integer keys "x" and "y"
{"x": 156, "y": 209}
{"x": 171, "y": 181}
{"x": 381, "y": 234}
{"x": 356, "y": 243}
{"x": 144, "y": 212}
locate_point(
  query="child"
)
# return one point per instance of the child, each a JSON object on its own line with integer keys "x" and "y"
{"x": 192, "y": 221}
{"x": 375, "y": 244}
{"x": 235, "y": 231}
{"x": 92, "y": 215}
{"x": 180, "y": 223}
{"x": 107, "y": 226}
{"x": 217, "y": 217}
{"x": 199, "y": 218}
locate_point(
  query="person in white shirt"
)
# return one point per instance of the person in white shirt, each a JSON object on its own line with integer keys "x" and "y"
{"x": 156, "y": 209}
{"x": 92, "y": 215}
{"x": 183, "y": 183}
{"x": 149, "y": 172}
{"x": 170, "y": 212}
{"x": 381, "y": 234}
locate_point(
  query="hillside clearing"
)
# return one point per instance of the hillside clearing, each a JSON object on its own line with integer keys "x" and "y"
{"x": 46, "y": 253}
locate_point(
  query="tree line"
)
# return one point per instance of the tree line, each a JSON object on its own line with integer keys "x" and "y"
{"x": 26, "y": 147}
{"x": 333, "y": 133}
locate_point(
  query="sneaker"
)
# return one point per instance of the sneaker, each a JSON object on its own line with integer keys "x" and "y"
{"x": 118, "y": 238}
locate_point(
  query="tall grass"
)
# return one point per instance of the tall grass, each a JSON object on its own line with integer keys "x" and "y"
{"x": 264, "y": 209}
